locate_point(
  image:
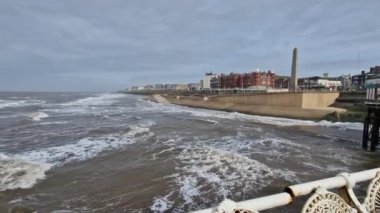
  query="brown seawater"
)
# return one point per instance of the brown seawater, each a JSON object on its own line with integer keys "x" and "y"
{"x": 87, "y": 152}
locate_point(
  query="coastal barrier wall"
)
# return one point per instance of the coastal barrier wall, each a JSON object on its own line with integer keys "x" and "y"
{"x": 318, "y": 100}
{"x": 294, "y": 100}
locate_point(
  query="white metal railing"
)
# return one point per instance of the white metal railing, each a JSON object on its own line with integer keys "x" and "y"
{"x": 321, "y": 200}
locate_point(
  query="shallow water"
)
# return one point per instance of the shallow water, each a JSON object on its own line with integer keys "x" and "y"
{"x": 87, "y": 152}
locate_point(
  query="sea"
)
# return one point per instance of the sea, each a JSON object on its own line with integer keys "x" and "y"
{"x": 112, "y": 152}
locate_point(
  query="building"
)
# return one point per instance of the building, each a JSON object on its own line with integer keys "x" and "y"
{"x": 229, "y": 81}
{"x": 265, "y": 79}
{"x": 148, "y": 87}
{"x": 319, "y": 83}
{"x": 181, "y": 87}
{"x": 247, "y": 80}
{"x": 346, "y": 82}
{"x": 193, "y": 86}
{"x": 215, "y": 82}
{"x": 170, "y": 86}
{"x": 358, "y": 81}
{"x": 282, "y": 82}
{"x": 374, "y": 70}
{"x": 134, "y": 88}
{"x": 159, "y": 87}
{"x": 206, "y": 83}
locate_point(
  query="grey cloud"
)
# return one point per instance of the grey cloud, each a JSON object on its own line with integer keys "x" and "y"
{"x": 109, "y": 45}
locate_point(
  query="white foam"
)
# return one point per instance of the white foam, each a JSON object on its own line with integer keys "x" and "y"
{"x": 90, "y": 105}
{"x": 19, "y": 103}
{"x": 37, "y": 116}
{"x": 19, "y": 173}
{"x": 54, "y": 123}
{"x": 162, "y": 204}
{"x": 189, "y": 188}
{"x": 102, "y": 99}
{"x": 222, "y": 172}
{"x": 170, "y": 108}
{"x": 85, "y": 148}
{"x": 25, "y": 169}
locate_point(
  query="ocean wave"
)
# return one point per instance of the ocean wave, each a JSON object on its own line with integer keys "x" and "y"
{"x": 102, "y": 99}
{"x": 19, "y": 103}
{"x": 37, "y": 116}
{"x": 18, "y": 173}
{"x": 221, "y": 172}
{"x": 86, "y": 148}
{"x": 171, "y": 108}
{"x": 54, "y": 123}
{"x": 23, "y": 170}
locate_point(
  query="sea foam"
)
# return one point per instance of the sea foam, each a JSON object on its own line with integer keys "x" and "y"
{"x": 37, "y": 116}
{"x": 19, "y": 103}
{"x": 18, "y": 173}
{"x": 102, "y": 99}
{"x": 23, "y": 170}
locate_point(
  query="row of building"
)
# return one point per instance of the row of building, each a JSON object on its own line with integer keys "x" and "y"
{"x": 170, "y": 87}
{"x": 236, "y": 80}
{"x": 259, "y": 80}
{"x": 358, "y": 81}
{"x": 269, "y": 80}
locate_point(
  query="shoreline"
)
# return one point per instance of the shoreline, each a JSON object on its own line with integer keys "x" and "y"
{"x": 317, "y": 114}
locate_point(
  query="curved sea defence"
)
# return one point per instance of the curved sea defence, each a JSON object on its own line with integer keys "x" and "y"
{"x": 315, "y": 106}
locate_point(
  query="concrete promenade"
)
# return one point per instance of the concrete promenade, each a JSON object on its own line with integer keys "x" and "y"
{"x": 288, "y": 105}
{"x": 160, "y": 99}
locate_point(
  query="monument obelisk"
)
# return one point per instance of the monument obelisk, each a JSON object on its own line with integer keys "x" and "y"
{"x": 293, "y": 79}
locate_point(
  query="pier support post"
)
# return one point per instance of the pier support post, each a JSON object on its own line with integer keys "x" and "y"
{"x": 371, "y": 129}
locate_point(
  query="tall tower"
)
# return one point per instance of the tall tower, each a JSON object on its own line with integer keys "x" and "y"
{"x": 293, "y": 79}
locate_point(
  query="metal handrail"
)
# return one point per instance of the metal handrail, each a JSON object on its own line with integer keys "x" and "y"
{"x": 291, "y": 192}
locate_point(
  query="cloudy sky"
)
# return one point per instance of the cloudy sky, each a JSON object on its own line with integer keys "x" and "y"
{"x": 105, "y": 45}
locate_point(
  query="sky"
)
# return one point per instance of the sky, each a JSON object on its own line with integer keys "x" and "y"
{"x": 108, "y": 45}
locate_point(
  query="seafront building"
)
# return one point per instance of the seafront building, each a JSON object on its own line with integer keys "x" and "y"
{"x": 206, "y": 83}
{"x": 282, "y": 82}
{"x": 319, "y": 83}
{"x": 359, "y": 81}
{"x": 243, "y": 81}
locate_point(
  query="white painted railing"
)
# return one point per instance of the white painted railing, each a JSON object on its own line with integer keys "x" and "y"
{"x": 321, "y": 201}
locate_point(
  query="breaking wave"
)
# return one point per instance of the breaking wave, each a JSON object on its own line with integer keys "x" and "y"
{"x": 95, "y": 105}
{"x": 102, "y": 99}
{"x": 17, "y": 173}
{"x": 213, "y": 174}
{"x": 25, "y": 169}
{"x": 37, "y": 116}
{"x": 19, "y": 103}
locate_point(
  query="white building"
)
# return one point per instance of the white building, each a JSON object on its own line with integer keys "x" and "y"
{"x": 206, "y": 83}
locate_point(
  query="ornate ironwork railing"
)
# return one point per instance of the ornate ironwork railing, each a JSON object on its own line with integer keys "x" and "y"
{"x": 321, "y": 200}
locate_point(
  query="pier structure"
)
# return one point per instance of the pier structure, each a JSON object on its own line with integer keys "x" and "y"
{"x": 321, "y": 199}
{"x": 372, "y": 120}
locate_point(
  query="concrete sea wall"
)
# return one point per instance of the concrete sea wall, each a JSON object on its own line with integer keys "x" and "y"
{"x": 311, "y": 105}
{"x": 295, "y": 100}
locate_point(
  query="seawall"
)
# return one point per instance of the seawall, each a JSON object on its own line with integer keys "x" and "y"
{"x": 311, "y": 105}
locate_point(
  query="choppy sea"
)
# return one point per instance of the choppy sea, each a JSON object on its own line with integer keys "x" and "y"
{"x": 109, "y": 152}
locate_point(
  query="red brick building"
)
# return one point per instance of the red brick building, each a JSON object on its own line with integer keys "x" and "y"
{"x": 234, "y": 80}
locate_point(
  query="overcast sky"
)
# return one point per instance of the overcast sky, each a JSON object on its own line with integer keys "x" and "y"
{"x": 105, "y": 45}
